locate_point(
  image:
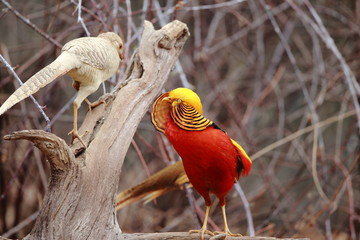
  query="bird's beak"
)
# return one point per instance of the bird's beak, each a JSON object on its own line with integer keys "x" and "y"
{"x": 167, "y": 99}
{"x": 121, "y": 56}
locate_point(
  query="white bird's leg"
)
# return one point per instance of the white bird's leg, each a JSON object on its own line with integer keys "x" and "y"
{"x": 74, "y": 131}
{"x": 83, "y": 92}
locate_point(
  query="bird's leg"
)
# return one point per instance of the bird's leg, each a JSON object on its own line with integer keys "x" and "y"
{"x": 83, "y": 92}
{"x": 203, "y": 229}
{"x": 74, "y": 131}
{"x": 226, "y": 227}
{"x": 92, "y": 105}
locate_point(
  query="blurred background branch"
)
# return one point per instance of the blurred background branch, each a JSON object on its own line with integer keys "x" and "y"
{"x": 280, "y": 76}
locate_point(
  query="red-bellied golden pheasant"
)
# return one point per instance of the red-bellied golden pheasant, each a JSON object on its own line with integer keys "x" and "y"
{"x": 213, "y": 162}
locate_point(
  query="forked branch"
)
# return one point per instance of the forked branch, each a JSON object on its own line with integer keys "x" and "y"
{"x": 80, "y": 201}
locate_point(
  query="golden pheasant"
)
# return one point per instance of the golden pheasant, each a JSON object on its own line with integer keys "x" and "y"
{"x": 213, "y": 162}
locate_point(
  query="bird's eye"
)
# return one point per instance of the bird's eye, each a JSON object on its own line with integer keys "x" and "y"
{"x": 178, "y": 100}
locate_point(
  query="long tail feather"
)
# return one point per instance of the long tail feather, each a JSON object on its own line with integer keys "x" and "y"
{"x": 168, "y": 179}
{"x": 37, "y": 81}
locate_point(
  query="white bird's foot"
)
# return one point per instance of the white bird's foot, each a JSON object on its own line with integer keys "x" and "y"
{"x": 75, "y": 135}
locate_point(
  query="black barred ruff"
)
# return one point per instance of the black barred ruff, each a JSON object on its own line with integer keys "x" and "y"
{"x": 187, "y": 118}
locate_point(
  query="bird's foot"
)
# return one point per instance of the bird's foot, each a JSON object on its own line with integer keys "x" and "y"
{"x": 92, "y": 105}
{"x": 228, "y": 233}
{"x": 202, "y": 231}
{"x": 75, "y": 135}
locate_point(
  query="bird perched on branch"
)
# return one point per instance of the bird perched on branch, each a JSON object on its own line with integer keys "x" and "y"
{"x": 213, "y": 162}
{"x": 89, "y": 61}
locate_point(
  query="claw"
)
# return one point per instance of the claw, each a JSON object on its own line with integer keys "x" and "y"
{"x": 228, "y": 233}
{"x": 226, "y": 228}
{"x": 202, "y": 231}
{"x": 94, "y": 104}
{"x": 75, "y": 135}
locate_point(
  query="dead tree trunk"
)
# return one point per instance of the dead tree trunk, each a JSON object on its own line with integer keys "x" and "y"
{"x": 79, "y": 203}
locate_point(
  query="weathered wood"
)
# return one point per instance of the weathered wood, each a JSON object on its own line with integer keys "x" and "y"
{"x": 187, "y": 236}
{"x": 193, "y": 236}
{"x": 79, "y": 203}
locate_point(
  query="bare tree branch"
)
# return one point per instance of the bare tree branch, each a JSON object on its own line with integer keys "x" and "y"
{"x": 80, "y": 199}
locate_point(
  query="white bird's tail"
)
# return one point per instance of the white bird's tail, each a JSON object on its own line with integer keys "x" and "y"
{"x": 37, "y": 81}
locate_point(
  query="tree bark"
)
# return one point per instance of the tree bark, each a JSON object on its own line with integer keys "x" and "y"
{"x": 79, "y": 203}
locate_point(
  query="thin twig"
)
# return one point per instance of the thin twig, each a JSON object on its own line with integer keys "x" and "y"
{"x": 308, "y": 99}
{"x": 11, "y": 70}
{"x": 301, "y": 132}
{"x": 141, "y": 157}
{"x": 293, "y": 61}
{"x": 214, "y": 6}
{"x": 178, "y": 67}
{"x": 129, "y": 28}
{"x": 243, "y": 32}
{"x": 328, "y": 229}
{"x": 197, "y": 32}
{"x": 313, "y": 166}
{"x": 249, "y": 217}
{"x": 29, "y": 23}
{"x": 62, "y": 110}
{"x": 21, "y": 225}
{"x": 80, "y": 19}
{"x": 319, "y": 28}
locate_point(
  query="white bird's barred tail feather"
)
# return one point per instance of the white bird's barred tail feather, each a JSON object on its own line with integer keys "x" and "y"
{"x": 33, "y": 84}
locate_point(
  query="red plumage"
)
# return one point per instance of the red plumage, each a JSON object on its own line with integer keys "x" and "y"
{"x": 211, "y": 161}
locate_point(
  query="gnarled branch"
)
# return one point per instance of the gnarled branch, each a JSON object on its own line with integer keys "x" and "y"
{"x": 79, "y": 203}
